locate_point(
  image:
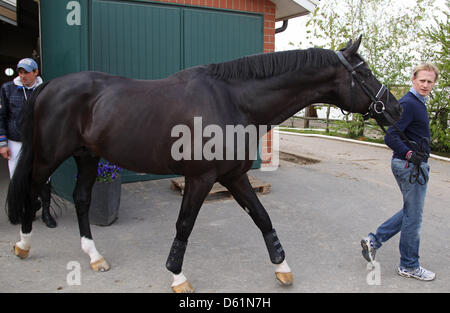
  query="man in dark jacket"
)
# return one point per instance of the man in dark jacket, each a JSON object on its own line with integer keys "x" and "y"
{"x": 13, "y": 96}
{"x": 410, "y": 167}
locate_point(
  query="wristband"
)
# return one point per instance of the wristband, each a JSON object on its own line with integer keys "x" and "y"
{"x": 408, "y": 154}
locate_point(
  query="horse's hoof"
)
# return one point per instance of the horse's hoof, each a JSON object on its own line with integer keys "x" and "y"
{"x": 183, "y": 288}
{"x": 285, "y": 279}
{"x": 23, "y": 254}
{"x": 100, "y": 265}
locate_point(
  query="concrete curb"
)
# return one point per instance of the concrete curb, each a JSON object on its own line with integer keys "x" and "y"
{"x": 379, "y": 145}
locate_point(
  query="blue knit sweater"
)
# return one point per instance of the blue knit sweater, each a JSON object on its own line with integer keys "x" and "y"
{"x": 413, "y": 123}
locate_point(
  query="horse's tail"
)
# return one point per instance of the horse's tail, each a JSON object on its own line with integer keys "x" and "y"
{"x": 19, "y": 199}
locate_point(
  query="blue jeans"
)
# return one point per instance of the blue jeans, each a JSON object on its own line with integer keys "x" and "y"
{"x": 408, "y": 220}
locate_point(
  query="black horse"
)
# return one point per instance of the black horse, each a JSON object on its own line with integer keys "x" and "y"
{"x": 129, "y": 122}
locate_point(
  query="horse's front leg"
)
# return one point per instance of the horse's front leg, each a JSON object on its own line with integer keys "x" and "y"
{"x": 196, "y": 190}
{"x": 87, "y": 173}
{"x": 243, "y": 192}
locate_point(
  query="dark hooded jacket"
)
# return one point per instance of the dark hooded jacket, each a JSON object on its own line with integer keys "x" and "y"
{"x": 13, "y": 97}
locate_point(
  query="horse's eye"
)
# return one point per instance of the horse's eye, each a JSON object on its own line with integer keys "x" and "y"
{"x": 366, "y": 73}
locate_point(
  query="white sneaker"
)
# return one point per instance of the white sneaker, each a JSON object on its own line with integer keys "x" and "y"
{"x": 368, "y": 249}
{"x": 419, "y": 273}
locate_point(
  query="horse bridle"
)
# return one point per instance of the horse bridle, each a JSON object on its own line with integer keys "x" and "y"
{"x": 377, "y": 106}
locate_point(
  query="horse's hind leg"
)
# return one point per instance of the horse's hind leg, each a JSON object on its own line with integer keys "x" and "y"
{"x": 196, "y": 190}
{"x": 22, "y": 247}
{"x": 87, "y": 173}
{"x": 243, "y": 192}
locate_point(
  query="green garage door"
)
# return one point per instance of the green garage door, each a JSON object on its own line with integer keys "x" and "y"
{"x": 150, "y": 41}
{"x": 212, "y": 36}
{"x": 135, "y": 40}
{"x": 140, "y": 40}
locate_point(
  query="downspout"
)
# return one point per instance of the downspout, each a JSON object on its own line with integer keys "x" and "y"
{"x": 40, "y": 35}
{"x": 282, "y": 28}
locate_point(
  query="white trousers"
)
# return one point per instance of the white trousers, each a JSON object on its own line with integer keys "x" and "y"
{"x": 14, "y": 148}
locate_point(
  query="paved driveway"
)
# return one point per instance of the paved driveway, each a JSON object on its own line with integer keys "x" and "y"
{"x": 320, "y": 212}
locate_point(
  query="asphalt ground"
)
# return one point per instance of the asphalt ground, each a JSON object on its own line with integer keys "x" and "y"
{"x": 320, "y": 211}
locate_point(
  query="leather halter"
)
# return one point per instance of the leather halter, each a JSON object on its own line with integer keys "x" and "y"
{"x": 377, "y": 106}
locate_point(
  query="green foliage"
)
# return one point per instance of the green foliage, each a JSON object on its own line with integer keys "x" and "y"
{"x": 354, "y": 127}
{"x": 437, "y": 38}
{"x": 396, "y": 37}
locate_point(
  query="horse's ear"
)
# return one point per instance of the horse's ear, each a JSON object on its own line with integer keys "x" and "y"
{"x": 348, "y": 45}
{"x": 351, "y": 48}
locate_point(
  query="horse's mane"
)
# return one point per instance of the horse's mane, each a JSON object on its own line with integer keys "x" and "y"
{"x": 272, "y": 64}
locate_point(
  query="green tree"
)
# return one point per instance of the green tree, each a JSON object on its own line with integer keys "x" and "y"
{"x": 390, "y": 38}
{"x": 437, "y": 38}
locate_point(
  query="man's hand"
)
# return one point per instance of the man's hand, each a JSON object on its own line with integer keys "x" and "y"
{"x": 415, "y": 157}
{"x": 5, "y": 152}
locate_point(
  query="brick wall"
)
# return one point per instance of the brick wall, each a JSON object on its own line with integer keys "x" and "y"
{"x": 261, "y": 6}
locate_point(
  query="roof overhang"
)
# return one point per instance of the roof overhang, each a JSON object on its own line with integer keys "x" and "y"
{"x": 8, "y": 11}
{"x": 287, "y": 9}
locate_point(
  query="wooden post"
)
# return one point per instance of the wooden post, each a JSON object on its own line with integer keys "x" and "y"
{"x": 306, "y": 120}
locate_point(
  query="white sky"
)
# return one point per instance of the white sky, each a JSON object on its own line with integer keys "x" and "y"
{"x": 296, "y": 27}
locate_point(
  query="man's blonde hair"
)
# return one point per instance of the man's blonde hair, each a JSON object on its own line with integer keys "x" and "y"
{"x": 426, "y": 67}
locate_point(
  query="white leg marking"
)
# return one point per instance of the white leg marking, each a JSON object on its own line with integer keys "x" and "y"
{"x": 88, "y": 246}
{"x": 178, "y": 279}
{"x": 283, "y": 268}
{"x": 25, "y": 241}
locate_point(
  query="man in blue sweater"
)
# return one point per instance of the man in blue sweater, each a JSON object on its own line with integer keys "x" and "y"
{"x": 410, "y": 168}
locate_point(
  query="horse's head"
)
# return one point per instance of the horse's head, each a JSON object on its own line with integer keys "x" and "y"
{"x": 360, "y": 91}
